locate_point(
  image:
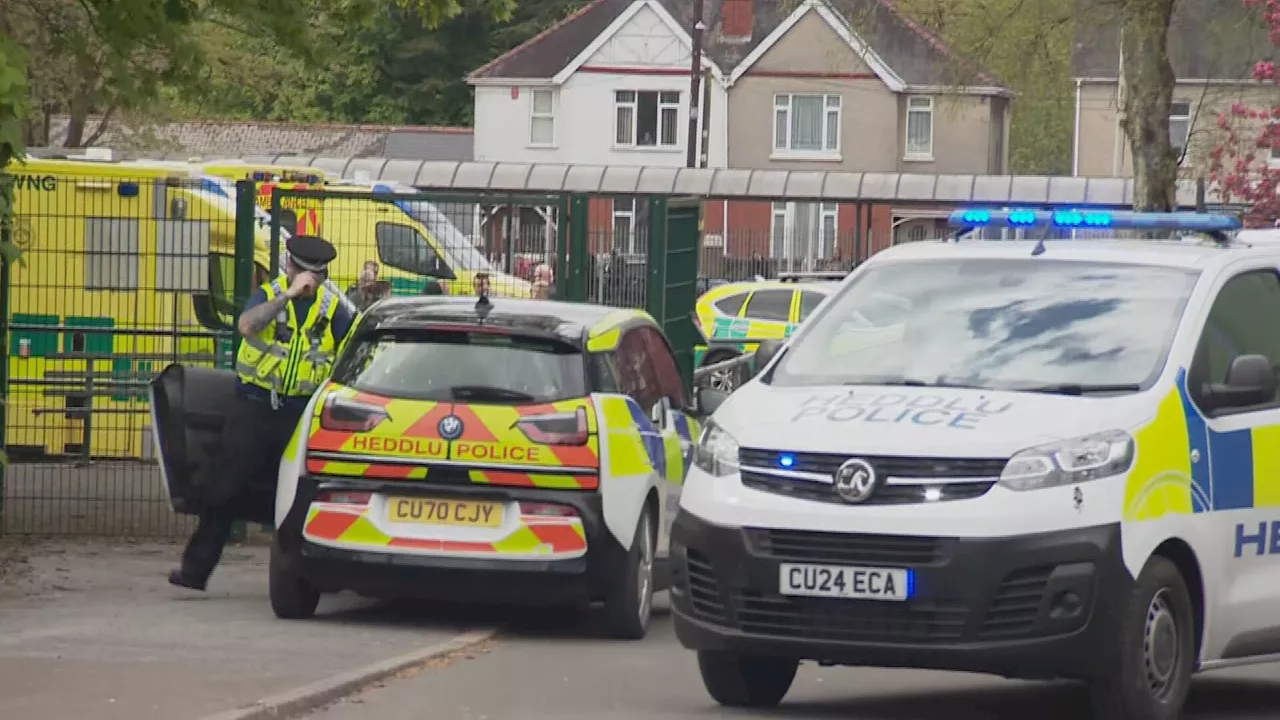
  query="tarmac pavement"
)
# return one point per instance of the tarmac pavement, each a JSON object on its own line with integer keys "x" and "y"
{"x": 562, "y": 673}
{"x": 92, "y": 629}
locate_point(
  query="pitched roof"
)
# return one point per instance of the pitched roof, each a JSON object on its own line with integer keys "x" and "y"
{"x": 214, "y": 138}
{"x": 916, "y": 55}
{"x": 1208, "y": 40}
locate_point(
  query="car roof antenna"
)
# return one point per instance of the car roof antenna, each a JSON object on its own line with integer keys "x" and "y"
{"x": 1040, "y": 248}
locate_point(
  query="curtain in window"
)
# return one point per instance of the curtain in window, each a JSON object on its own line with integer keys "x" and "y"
{"x": 808, "y": 118}
{"x": 919, "y": 131}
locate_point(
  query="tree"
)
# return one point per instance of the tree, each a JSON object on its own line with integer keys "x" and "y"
{"x": 1241, "y": 165}
{"x": 1146, "y": 98}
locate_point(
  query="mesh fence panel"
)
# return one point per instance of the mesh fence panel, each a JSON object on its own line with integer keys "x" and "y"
{"x": 115, "y": 286}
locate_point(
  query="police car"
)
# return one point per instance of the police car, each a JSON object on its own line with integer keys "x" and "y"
{"x": 500, "y": 450}
{"x": 1065, "y": 465}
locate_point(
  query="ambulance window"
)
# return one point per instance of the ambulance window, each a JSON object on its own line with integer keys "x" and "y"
{"x": 731, "y": 305}
{"x": 770, "y": 305}
{"x": 402, "y": 247}
{"x": 666, "y": 372}
{"x": 636, "y": 374}
{"x": 809, "y": 302}
{"x": 1244, "y": 320}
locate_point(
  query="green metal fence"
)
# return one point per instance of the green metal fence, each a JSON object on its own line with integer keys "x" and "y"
{"x": 124, "y": 275}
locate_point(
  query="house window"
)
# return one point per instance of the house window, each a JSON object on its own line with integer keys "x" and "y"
{"x": 646, "y": 118}
{"x": 542, "y": 118}
{"x": 1179, "y": 125}
{"x": 803, "y": 233}
{"x": 804, "y": 124}
{"x": 919, "y": 128}
{"x": 624, "y": 225}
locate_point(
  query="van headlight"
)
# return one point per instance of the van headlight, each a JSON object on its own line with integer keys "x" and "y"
{"x": 1091, "y": 457}
{"x": 717, "y": 451}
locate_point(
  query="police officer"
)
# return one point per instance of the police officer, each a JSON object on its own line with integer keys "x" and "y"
{"x": 291, "y": 331}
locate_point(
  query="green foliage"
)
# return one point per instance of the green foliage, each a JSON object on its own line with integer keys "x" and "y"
{"x": 13, "y": 103}
{"x": 1027, "y": 45}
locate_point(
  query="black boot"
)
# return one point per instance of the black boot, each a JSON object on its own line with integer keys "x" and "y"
{"x": 181, "y": 579}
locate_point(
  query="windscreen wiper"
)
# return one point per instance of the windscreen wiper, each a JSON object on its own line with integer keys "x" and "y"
{"x": 915, "y": 382}
{"x": 1082, "y": 389}
{"x": 488, "y": 392}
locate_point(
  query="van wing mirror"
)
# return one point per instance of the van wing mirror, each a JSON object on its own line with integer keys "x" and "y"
{"x": 765, "y": 353}
{"x": 1251, "y": 380}
{"x": 707, "y": 400}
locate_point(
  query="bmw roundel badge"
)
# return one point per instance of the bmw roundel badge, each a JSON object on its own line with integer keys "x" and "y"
{"x": 451, "y": 427}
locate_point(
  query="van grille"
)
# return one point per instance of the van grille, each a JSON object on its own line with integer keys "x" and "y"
{"x": 1016, "y": 603}
{"x": 832, "y": 619}
{"x": 849, "y": 548}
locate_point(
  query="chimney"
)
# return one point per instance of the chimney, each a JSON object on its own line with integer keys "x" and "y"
{"x": 736, "y": 20}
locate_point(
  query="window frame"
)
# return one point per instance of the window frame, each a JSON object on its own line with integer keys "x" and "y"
{"x": 927, "y": 109}
{"x": 786, "y": 316}
{"x": 1175, "y": 117}
{"x": 788, "y": 210}
{"x": 630, "y": 216}
{"x": 535, "y": 115}
{"x": 737, "y": 313}
{"x": 783, "y": 113}
{"x": 801, "y": 313}
{"x": 1194, "y": 371}
{"x": 382, "y": 258}
{"x": 660, "y": 104}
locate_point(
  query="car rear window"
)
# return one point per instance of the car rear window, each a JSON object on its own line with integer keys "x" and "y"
{"x": 464, "y": 366}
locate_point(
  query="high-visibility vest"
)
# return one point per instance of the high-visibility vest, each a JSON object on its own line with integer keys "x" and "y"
{"x": 290, "y": 357}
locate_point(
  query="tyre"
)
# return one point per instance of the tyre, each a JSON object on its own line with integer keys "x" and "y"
{"x": 629, "y": 602}
{"x": 1150, "y": 673}
{"x": 746, "y": 681}
{"x": 729, "y": 379}
{"x": 292, "y": 597}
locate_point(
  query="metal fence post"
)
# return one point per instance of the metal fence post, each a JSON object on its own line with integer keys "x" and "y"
{"x": 246, "y": 222}
{"x": 579, "y": 263}
{"x": 5, "y": 237}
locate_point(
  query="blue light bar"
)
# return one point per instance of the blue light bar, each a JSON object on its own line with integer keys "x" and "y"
{"x": 1093, "y": 219}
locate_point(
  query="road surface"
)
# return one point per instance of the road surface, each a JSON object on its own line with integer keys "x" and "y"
{"x": 558, "y": 673}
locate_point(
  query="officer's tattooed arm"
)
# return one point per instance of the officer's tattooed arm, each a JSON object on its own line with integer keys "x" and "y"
{"x": 257, "y": 318}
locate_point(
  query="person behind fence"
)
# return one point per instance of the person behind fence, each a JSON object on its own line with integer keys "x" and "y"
{"x": 367, "y": 290}
{"x": 291, "y": 330}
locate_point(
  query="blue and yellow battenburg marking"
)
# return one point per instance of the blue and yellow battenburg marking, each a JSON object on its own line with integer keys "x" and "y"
{"x": 1236, "y": 469}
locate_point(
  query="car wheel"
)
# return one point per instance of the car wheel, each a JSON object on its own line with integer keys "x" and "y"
{"x": 1150, "y": 673}
{"x": 629, "y": 603}
{"x": 292, "y": 597}
{"x": 746, "y": 681}
{"x": 725, "y": 379}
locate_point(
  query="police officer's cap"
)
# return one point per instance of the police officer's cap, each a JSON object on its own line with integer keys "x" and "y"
{"x": 310, "y": 252}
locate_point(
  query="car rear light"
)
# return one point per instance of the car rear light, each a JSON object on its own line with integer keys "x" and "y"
{"x": 556, "y": 429}
{"x": 343, "y": 415}
{"x": 343, "y": 497}
{"x": 547, "y": 509}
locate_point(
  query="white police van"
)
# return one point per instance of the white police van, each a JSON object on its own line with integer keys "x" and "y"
{"x": 1062, "y": 462}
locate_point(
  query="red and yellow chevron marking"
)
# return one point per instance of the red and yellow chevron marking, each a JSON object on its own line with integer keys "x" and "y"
{"x": 410, "y": 432}
{"x": 345, "y": 526}
{"x": 490, "y": 435}
{"x": 381, "y": 471}
{"x": 535, "y": 480}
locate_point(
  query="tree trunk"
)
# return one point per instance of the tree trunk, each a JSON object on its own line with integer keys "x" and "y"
{"x": 1148, "y": 81}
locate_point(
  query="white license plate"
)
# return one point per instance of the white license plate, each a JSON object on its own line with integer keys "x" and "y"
{"x": 841, "y": 581}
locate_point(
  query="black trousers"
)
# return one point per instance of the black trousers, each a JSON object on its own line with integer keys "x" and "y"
{"x": 248, "y": 465}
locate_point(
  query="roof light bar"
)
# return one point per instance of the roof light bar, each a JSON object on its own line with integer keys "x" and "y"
{"x": 1093, "y": 219}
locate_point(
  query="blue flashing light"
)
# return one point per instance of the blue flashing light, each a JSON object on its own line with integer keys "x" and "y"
{"x": 1094, "y": 219}
{"x": 127, "y": 189}
{"x": 787, "y": 460}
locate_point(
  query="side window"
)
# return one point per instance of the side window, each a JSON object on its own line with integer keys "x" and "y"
{"x": 809, "y": 301}
{"x": 665, "y": 370}
{"x": 602, "y": 372}
{"x": 402, "y": 247}
{"x": 636, "y": 374}
{"x": 1244, "y": 320}
{"x": 731, "y": 305}
{"x": 770, "y": 305}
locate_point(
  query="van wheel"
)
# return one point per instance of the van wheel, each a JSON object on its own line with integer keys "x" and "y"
{"x": 628, "y": 604}
{"x": 292, "y": 597}
{"x": 746, "y": 681}
{"x": 1150, "y": 673}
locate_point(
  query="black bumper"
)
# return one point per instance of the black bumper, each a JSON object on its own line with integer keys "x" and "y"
{"x": 401, "y": 575}
{"x": 1034, "y": 606}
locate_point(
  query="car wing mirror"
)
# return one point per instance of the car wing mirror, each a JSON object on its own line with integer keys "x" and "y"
{"x": 660, "y": 411}
{"x": 1251, "y": 380}
{"x": 707, "y": 400}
